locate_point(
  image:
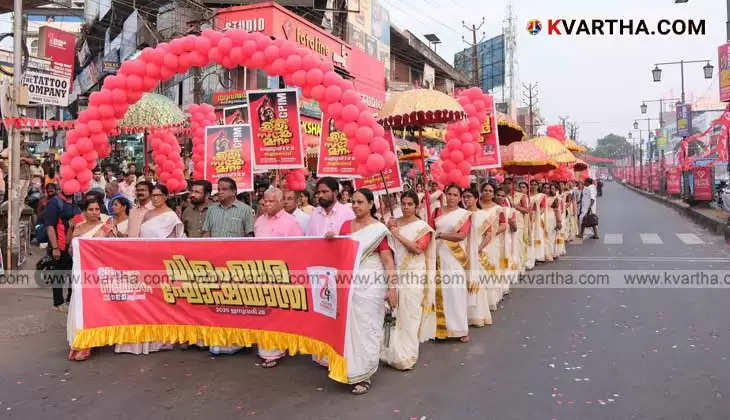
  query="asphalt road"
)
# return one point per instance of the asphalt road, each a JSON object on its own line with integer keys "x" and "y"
{"x": 578, "y": 353}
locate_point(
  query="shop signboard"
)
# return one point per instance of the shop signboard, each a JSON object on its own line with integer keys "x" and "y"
{"x": 237, "y": 114}
{"x": 229, "y": 97}
{"x": 702, "y": 183}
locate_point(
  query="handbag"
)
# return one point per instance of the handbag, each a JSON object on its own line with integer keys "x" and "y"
{"x": 590, "y": 220}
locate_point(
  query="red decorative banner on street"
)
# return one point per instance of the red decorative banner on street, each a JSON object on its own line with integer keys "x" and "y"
{"x": 335, "y": 157}
{"x": 391, "y": 173}
{"x": 674, "y": 181}
{"x": 488, "y": 155}
{"x": 221, "y": 292}
{"x": 275, "y": 129}
{"x": 702, "y": 183}
{"x": 228, "y": 151}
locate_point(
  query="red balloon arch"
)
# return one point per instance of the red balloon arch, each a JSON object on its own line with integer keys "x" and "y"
{"x": 88, "y": 141}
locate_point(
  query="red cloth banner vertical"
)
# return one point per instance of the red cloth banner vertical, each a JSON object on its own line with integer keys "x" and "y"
{"x": 488, "y": 155}
{"x": 391, "y": 174}
{"x": 673, "y": 181}
{"x": 702, "y": 183}
{"x": 334, "y": 157}
{"x": 221, "y": 292}
{"x": 275, "y": 129}
{"x": 228, "y": 153}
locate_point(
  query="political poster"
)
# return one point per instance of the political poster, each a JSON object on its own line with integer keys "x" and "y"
{"x": 228, "y": 153}
{"x": 276, "y": 129}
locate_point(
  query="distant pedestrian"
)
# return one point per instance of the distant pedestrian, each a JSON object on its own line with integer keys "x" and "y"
{"x": 588, "y": 208}
{"x": 599, "y": 188}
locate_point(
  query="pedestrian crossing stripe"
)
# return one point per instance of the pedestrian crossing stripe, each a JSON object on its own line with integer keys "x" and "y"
{"x": 690, "y": 239}
{"x": 651, "y": 239}
{"x": 613, "y": 239}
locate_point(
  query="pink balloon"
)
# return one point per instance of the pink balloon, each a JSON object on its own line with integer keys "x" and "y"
{"x": 72, "y": 151}
{"x": 389, "y": 159}
{"x": 469, "y": 109}
{"x": 95, "y": 126}
{"x": 293, "y": 63}
{"x": 455, "y": 175}
{"x": 350, "y": 113}
{"x": 350, "y": 97}
{"x": 318, "y": 92}
{"x": 334, "y": 110}
{"x": 71, "y": 186}
{"x": 457, "y": 156}
{"x": 466, "y": 137}
{"x": 236, "y": 55}
{"x": 84, "y": 176}
{"x": 271, "y": 53}
{"x": 67, "y": 171}
{"x": 379, "y": 146}
{"x": 78, "y": 164}
{"x": 378, "y": 131}
{"x": 279, "y": 67}
{"x": 171, "y": 62}
{"x": 309, "y": 62}
{"x": 224, "y": 45}
{"x": 453, "y": 144}
{"x": 299, "y": 77}
{"x": 350, "y": 130}
{"x": 340, "y": 124}
{"x": 314, "y": 77}
{"x": 364, "y": 134}
{"x": 65, "y": 161}
{"x": 468, "y": 149}
{"x": 375, "y": 163}
{"x": 106, "y": 111}
{"x": 149, "y": 83}
{"x": 119, "y": 96}
{"x": 84, "y": 145}
{"x": 109, "y": 124}
{"x": 333, "y": 94}
{"x": 361, "y": 153}
{"x": 464, "y": 181}
{"x": 445, "y": 155}
{"x": 464, "y": 166}
{"x": 202, "y": 45}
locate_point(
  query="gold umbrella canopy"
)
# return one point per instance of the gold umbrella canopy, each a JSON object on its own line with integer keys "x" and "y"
{"x": 573, "y": 146}
{"x": 152, "y": 110}
{"x": 524, "y": 157}
{"x": 554, "y": 149}
{"x": 580, "y": 165}
{"x": 508, "y": 130}
{"x": 419, "y": 107}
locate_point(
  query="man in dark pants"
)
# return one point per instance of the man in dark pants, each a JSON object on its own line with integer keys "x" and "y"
{"x": 59, "y": 212}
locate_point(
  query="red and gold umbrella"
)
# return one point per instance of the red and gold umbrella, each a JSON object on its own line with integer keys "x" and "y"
{"x": 508, "y": 130}
{"x": 523, "y": 158}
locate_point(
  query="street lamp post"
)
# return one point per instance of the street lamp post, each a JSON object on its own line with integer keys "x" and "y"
{"x": 708, "y": 69}
{"x": 650, "y": 152}
{"x": 644, "y": 107}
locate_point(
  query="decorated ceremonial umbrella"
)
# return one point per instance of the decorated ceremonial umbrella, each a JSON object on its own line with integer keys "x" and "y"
{"x": 151, "y": 111}
{"x": 580, "y": 165}
{"x": 554, "y": 149}
{"x": 508, "y": 129}
{"x": 418, "y": 108}
{"x": 571, "y": 145}
{"x": 523, "y": 158}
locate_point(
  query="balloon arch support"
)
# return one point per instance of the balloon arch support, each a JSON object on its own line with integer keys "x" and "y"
{"x": 300, "y": 67}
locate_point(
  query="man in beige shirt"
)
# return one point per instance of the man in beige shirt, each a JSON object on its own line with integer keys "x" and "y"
{"x": 144, "y": 204}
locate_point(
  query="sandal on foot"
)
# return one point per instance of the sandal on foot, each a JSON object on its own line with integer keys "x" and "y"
{"x": 464, "y": 339}
{"x": 361, "y": 388}
{"x": 268, "y": 364}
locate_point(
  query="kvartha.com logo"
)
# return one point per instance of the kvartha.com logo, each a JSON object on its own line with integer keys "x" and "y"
{"x": 604, "y": 27}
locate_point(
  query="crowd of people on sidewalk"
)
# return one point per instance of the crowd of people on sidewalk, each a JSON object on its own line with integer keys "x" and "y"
{"x": 465, "y": 254}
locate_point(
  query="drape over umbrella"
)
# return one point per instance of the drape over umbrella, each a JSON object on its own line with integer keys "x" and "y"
{"x": 523, "y": 158}
{"x": 508, "y": 130}
{"x": 152, "y": 110}
{"x": 418, "y": 108}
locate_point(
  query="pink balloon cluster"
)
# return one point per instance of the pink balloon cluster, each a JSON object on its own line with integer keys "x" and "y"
{"x": 201, "y": 116}
{"x": 437, "y": 172}
{"x": 556, "y": 131}
{"x": 298, "y": 65}
{"x": 461, "y": 139}
{"x": 166, "y": 154}
{"x": 295, "y": 180}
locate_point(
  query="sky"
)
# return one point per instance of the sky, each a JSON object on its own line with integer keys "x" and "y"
{"x": 597, "y": 81}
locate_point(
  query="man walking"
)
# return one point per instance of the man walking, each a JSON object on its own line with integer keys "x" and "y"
{"x": 291, "y": 201}
{"x": 589, "y": 211}
{"x": 56, "y": 218}
{"x": 194, "y": 215}
{"x": 274, "y": 222}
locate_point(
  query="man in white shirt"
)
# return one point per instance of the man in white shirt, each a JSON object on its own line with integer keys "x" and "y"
{"x": 588, "y": 206}
{"x": 98, "y": 180}
{"x": 291, "y": 199}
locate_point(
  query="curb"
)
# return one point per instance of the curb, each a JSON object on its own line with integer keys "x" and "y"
{"x": 717, "y": 226}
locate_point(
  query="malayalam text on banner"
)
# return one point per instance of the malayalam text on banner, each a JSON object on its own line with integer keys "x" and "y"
{"x": 228, "y": 154}
{"x": 275, "y": 129}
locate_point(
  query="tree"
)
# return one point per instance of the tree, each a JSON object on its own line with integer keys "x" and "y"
{"x": 612, "y": 146}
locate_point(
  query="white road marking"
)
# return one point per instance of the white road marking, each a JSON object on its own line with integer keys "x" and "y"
{"x": 650, "y": 239}
{"x": 613, "y": 238}
{"x": 690, "y": 239}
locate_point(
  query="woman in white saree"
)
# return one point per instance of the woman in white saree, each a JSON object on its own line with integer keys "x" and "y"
{"x": 562, "y": 233}
{"x": 162, "y": 222}
{"x": 508, "y": 243}
{"x": 365, "y": 329}
{"x": 552, "y": 223}
{"x": 484, "y": 255}
{"x": 415, "y": 318}
{"x": 94, "y": 225}
{"x": 452, "y": 229}
{"x": 537, "y": 225}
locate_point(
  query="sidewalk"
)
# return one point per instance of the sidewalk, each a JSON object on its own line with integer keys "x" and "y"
{"x": 715, "y": 220}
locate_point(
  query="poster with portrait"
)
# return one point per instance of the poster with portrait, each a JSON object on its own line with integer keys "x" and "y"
{"x": 228, "y": 153}
{"x": 334, "y": 157}
{"x": 275, "y": 129}
{"x": 235, "y": 114}
{"x": 487, "y": 155}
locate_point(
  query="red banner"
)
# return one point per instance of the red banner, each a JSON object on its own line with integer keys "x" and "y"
{"x": 334, "y": 157}
{"x": 275, "y": 129}
{"x": 655, "y": 177}
{"x": 228, "y": 151}
{"x": 221, "y": 292}
{"x": 235, "y": 114}
{"x": 488, "y": 155}
{"x": 702, "y": 183}
{"x": 673, "y": 181}
{"x": 390, "y": 173}
{"x": 60, "y": 47}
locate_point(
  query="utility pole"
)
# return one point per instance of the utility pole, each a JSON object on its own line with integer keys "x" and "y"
{"x": 563, "y": 120}
{"x": 15, "y": 199}
{"x": 529, "y": 98}
{"x": 475, "y": 61}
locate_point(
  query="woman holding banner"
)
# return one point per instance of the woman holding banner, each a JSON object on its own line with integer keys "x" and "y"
{"x": 415, "y": 319}
{"x": 452, "y": 229}
{"x": 362, "y": 346}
